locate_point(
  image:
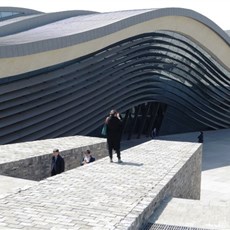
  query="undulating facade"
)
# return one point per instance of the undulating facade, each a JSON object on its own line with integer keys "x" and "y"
{"x": 61, "y": 73}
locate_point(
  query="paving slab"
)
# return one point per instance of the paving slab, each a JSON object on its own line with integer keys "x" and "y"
{"x": 10, "y": 185}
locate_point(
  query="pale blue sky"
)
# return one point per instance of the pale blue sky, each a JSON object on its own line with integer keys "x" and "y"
{"x": 216, "y": 10}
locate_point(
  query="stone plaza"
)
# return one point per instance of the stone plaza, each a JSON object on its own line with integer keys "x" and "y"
{"x": 101, "y": 195}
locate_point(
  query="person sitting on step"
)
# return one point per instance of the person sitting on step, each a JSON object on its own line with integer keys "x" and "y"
{"x": 88, "y": 158}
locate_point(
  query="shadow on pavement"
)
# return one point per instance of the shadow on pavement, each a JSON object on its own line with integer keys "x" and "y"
{"x": 130, "y": 163}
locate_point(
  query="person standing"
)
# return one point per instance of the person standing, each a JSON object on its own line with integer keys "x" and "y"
{"x": 201, "y": 137}
{"x": 154, "y": 133}
{"x": 114, "y": 132}
{"x": 57, "y": 163}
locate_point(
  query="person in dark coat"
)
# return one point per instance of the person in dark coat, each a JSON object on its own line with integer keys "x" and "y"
{"x": 114, "y": 132}
{"x": 57, "y": 163}
{"x": 201, "y": 137}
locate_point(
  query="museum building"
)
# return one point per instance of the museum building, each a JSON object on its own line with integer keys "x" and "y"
{"x": 61, "y": 73}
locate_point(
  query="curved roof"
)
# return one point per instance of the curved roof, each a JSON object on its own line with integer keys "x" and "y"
{"x": 24, "y": 11}
{"x": 79, "y": 33}
{"x": 28, "y": 23}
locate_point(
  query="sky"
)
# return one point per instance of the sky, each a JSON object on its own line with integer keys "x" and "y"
{"x": 216, "y": 10}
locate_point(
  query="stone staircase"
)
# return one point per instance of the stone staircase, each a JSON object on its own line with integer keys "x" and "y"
{"x": 193, "y": 214}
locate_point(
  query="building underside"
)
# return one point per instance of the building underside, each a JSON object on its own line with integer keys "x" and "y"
{"x": 56, "y": 84}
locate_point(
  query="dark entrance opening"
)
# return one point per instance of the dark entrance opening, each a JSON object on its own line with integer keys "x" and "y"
{"x": 141, "y": 120}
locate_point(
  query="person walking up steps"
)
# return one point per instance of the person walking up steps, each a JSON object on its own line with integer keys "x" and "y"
{"x": 114, "y": 132}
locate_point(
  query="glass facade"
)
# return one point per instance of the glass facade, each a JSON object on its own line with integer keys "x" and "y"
{"x": 5, "y": 15}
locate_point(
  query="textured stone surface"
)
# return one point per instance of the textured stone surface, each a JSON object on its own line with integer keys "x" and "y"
{"x": 32, "y": 160}
{"x": 212, "y": 211}
{"x": 107, "y": 195}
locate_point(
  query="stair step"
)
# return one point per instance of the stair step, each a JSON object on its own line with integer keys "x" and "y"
{"x": 150, "y": 226}
{"x": 193, "y": 213}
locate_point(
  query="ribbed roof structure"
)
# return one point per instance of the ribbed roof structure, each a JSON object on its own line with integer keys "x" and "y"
{"x": 60, "y": 73}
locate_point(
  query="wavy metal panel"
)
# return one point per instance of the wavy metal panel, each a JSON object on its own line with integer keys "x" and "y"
{"x": 74, "y": 97}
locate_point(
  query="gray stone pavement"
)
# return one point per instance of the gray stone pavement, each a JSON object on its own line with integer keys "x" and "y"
{"x": 213, "y": 209}
{"x": 10, "y": 185}
{"x": 18, "y": 151}
{"x": 100, "y": 195}
{"x": 211, "y": 212}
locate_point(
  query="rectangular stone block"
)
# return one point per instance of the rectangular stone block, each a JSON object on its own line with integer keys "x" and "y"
{"x": 28, "y": 162}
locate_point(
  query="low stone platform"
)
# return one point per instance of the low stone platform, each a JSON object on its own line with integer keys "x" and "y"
{"x": 31, "y": 160}
{"x": 105, "y": 195}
